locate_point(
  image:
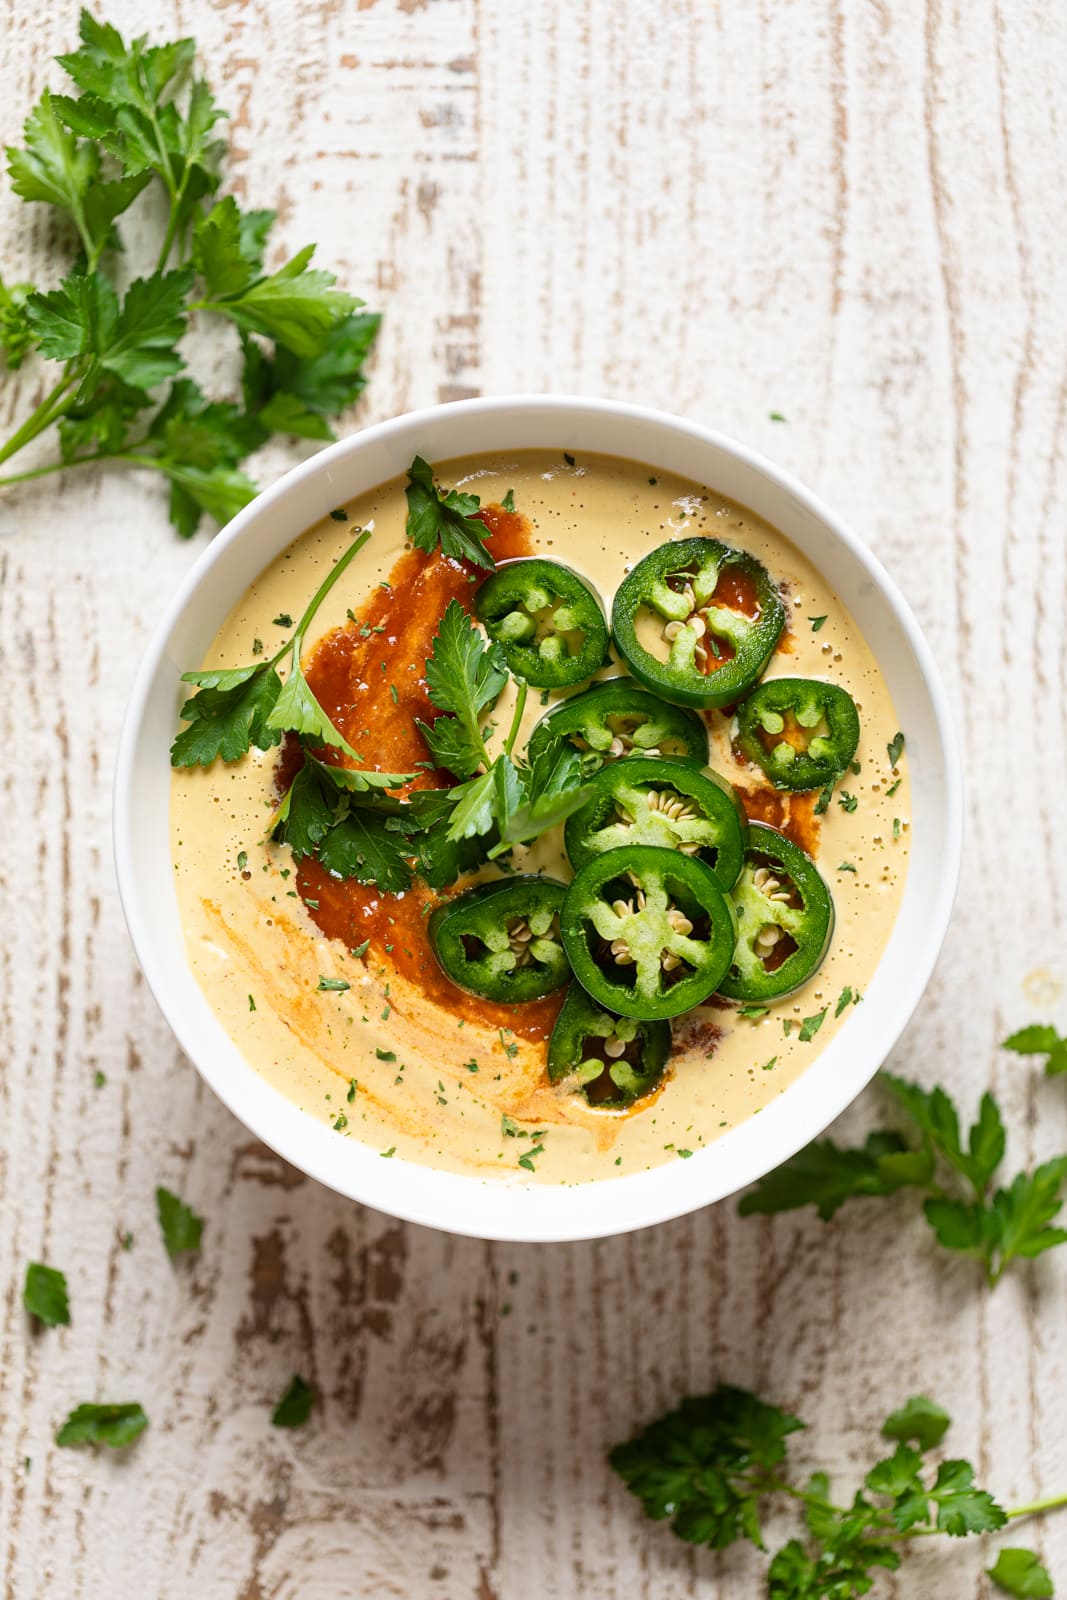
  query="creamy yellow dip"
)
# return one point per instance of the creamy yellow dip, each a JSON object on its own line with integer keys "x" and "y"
{"x": 379, "y": 1061}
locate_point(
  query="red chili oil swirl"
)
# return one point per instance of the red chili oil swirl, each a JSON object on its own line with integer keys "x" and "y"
{"x": 353, "y": 672}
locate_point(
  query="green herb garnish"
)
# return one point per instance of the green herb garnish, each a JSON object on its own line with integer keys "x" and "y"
{"x": 966, "y": 1214}
{"x": 465, "y": 677}
{"x": 1040, "y": 1039}
{"x": 180, "y": 1226}
{"x": 113, "y": 1425}
{"x": 713, "y": 1466}
{"x": 139, "y": 118}
{"x": 446, "y": 519}
{"x": 810, "y": 1026}
{"x": 294, "y": 1407}
{"x": 45, "y": 1295}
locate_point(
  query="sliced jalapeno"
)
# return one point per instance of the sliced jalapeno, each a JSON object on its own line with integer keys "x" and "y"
{"x": 802, "y": 732}
{"x": 548, "y": 623}
{"x": 659, "y": 802}
{"x": 501, "y": 940}
{"x": 648, "y": 931}
{"x": 785, "y": 917}
{"x": 616, "y": 719}
{"x": 611, "y": 1060}
{"x": 697, "y": 621}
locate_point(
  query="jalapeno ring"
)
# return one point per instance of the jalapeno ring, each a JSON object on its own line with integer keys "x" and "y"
{"x": 547, "y": 621}
{"x": 500, "y": 940}
{"x": 802, "y": 733}
{"x": 785, "y": 919}
{"x": 649, "y": 932}
{"x": 721, "y": 617}
{"x": 658, "y": 802}
{"x": 609, "y": 1059}
{"x": 617, "y": 718}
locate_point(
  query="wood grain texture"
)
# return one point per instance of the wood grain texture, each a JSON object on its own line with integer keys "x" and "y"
{"x": 843, "y": 210}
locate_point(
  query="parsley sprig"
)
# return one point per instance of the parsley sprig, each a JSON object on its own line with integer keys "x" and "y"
{"x": 994, "y": 1226}
{"x": 335, "y": 812}
{"x": 141, "y": 117}
{"x": 501, "y": 801}
{"x": 712, "y": 1465}
{"x": 236, "y": 707}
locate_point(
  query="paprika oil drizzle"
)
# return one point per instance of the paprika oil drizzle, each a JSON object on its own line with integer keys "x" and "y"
{"x": 369, "y": 676}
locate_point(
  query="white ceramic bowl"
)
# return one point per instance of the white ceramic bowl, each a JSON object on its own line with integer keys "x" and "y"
{"x": 470, "y": 1205}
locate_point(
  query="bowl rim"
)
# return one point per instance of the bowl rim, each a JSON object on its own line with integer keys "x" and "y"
{"x": 297, "y": 1139}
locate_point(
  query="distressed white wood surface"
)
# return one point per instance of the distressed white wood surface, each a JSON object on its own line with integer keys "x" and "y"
{"x": 848, "y": 212}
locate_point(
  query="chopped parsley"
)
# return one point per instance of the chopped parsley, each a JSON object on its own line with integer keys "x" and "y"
{"x": 294, "y": 1407}
{"x": 45, "y": 1295}
{"x": 179, "y": 1224}
{"x": 113, "y": 1425}
{"x": 811, "y": 1025}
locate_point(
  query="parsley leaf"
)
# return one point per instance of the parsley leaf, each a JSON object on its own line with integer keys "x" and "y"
{"x": 45, "y": 1295}
{"x": 895, "y": 748}
{"x": 59, "y": 170}
{"x": 1019, "y": 1572}
{"x": 426, "y": 816}
{"x": 811, "y": 1025}
{"x": 226, "y": 718}
{"x": 16, "y": 337}
{"x": 447, "y": 518}
{"x": 1021, "y": 1215}
{"x": 113, "y": 1425}
{"x": 294, "y": 1407}
{"x": 296, "y": 394}
{"x": 920, "y": 1421}
{"x": 546, "y": 795}
{"x": 296, "y": 709}
{"x": 240, "y": 706}
{"x": 180, "y": 1226}
{"x": 825, "y": 1176}
{"x": 297, "y": 306}
{"x": 1040, "y": 1040}
{"x": 464, "y": 675}
{"x": 961, "y": 1508}
{"x": 82, "y": 321}
{"x": 361, "y": 846}
{"x": 319, "y": 815}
